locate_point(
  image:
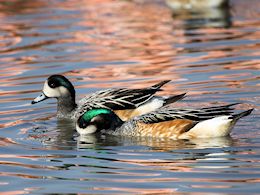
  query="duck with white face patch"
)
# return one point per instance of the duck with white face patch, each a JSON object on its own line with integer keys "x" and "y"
{"x": 166, "y": 122}
{"x": 126, "y": 102}
{"x": 59, "y": 87}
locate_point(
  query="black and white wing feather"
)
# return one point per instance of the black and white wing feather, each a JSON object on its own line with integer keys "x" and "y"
{"x": 118, "y": 99}
{"x": 168, "y": 113}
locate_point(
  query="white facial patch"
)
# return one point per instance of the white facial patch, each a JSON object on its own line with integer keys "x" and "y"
{"x": 88, "y": 130}
{"x": 55, "y": 92}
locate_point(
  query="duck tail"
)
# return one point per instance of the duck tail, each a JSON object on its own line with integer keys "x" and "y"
{"x": 216, "y": 127}
{"x": 159, "y": 85}
{"x": 224, "y": 107}
{"x": 236, "y": 117}
{"x": 173, "y": 98}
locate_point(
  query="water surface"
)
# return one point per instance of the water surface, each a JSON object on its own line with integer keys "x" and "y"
{"x": 211, "y": 54}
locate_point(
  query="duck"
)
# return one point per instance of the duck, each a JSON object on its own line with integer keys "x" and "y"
{"x": 127, "y": 103}
{"x": 196, "y": 4}
{"x": 165, "y": 122}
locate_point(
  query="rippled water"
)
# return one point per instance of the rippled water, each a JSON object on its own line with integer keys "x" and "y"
{"x": 213, "y": 54}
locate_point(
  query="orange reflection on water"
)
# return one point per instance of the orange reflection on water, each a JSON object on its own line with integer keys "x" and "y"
{"x": 16, "y": 164}
{"x": 11, "y": 123}
{"x": 129, "y": 33}
{"x": 6, "y": 141}
{"x": 158, "y": 164}
{"x": 14, "y": 192}
{"x": 139, "y": 190}
{"x": 11, "y": 36}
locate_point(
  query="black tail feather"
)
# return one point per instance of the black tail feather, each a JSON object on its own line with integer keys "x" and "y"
{"x": 240, "y": 115}
{"x": 159, "y": 85}
{"x": 227, "y": 106}
{"x": 174, "y": 98}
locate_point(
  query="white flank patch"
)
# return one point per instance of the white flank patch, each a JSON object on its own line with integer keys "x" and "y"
{"x": 88, "y": 130}
{"x": 216, "y": 127}
{"x": 151, "y": 105}
{"x": 54, "y": 92}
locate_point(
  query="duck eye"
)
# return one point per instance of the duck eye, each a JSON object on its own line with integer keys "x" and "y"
{"x": 52, "y": 85}
{"x": 82, "y": 124}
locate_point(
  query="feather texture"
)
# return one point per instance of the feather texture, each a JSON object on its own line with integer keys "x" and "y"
{"x": 118, "y": 99}
{"x": 172, "y": 123}
{"x": 168, "y": 113}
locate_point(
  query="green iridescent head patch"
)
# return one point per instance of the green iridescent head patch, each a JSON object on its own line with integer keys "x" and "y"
{"x": 95, "y": 112}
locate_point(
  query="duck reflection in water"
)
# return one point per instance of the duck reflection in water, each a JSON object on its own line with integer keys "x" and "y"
{"x": 153, "y": 144}
{"x": 201, "y": 13}
{"x": 59, "y": 136}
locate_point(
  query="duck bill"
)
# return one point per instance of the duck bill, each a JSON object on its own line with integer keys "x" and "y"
{"x": 40, "y": 98}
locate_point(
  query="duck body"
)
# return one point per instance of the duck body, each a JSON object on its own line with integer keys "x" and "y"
{"x": 126, "y": 102}
{"x": 166, "y": 122}
{"x": 196, "y": 4}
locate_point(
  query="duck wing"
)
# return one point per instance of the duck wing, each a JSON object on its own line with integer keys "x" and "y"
{"x": 119, "y": 99}
{"x": 168, "y": 113}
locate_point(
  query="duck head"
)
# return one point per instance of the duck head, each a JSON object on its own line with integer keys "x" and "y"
{"x": 96, "y": 120}
{"x": 56, "y": 86}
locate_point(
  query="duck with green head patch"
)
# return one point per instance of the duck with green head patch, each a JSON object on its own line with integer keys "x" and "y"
{"x": 166, "y": 122}
{"x": 96, "y": 119}
{"x": 125, "y": 102}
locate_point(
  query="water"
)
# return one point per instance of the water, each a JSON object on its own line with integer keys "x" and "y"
{"x": 211, "y": 54}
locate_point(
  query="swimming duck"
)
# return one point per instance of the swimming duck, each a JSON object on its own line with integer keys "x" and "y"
{"x": 166, "y": 122}
{"x": 196, "y": 4}
{"x": 125, "y": 102}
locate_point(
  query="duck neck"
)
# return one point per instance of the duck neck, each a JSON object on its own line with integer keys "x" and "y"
{"x": 66, "y": 106}
{"x": 117, "y": 122}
